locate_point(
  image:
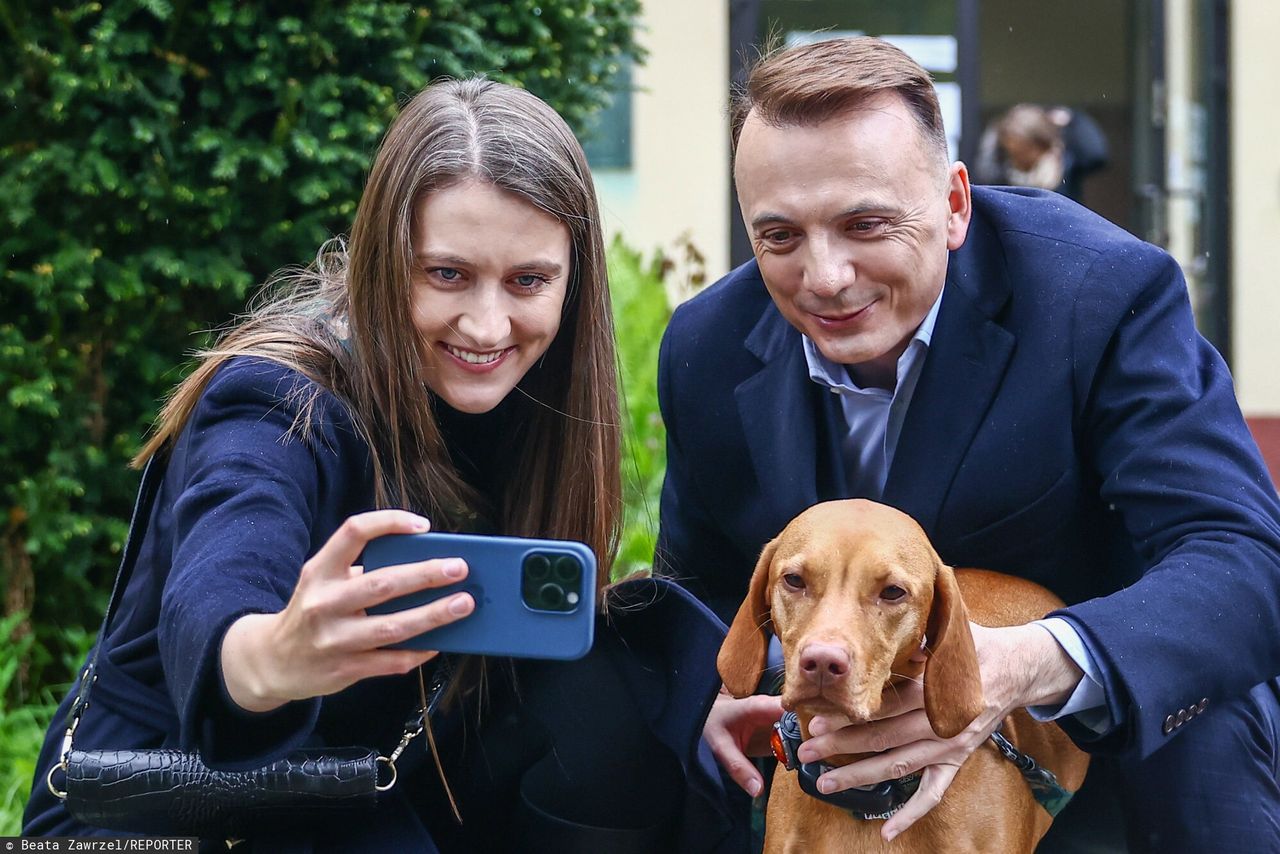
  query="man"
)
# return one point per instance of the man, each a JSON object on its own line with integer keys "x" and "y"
{"x": 1026, "y": 381}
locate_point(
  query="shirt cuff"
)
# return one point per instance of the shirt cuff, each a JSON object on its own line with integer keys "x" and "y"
{"x": 1088, "y": 702}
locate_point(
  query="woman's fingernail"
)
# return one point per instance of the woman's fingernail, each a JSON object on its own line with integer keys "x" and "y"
{"x": 421, "y": 523}
{"x": 817, "y": 726}
{"x": 753, "y": 788}
{"x": 455, "y": 569}
{"x": 460, "y": 605}
{"x": 826, "y": 786}
{"x": 805, "y": 754}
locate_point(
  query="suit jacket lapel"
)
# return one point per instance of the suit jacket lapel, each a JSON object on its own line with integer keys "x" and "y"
{"x": 777, "y": 408}
{"x": 967, "y": 360}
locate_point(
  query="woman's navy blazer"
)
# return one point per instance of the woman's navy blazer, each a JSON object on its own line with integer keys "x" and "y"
{"x": 243, "y": 504}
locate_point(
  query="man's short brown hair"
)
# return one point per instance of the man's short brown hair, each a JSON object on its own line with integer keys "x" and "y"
{"x": 810, "y": 83}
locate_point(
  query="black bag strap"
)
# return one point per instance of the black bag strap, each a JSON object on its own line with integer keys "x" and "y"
{"x": 152, "y": 477}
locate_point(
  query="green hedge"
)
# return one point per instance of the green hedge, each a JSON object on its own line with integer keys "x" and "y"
{"x": 157, "y": 160}
{"x": 22, "y": 727}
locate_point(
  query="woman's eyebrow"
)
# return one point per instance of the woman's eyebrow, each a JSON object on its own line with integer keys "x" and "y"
{"x": 434, "y": 258}
{"x": 550, "y": 268}
{"x": 539, "y": 265}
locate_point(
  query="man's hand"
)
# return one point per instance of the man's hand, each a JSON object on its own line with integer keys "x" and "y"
{"x": 736, "y": 729}
{"x": 1020, "y": 666}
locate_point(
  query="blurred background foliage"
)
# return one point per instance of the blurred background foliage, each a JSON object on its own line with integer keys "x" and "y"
{"x": 157, "y": 160}
{"x": 641, "y": 311}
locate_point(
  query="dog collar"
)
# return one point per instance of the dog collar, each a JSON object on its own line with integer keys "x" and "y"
{"x": 883, "y": 799}
{"x": 1045, "y": 788}
{"x": 878, "y": 801}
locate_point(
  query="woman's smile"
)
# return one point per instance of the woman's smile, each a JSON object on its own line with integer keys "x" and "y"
{"x": 473, "y": 360}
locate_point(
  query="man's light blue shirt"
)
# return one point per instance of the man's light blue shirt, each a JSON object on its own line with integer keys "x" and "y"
{"x": 873, "y": 417}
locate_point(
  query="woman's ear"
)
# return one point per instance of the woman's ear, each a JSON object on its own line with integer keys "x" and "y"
{"x": 743, "y": 653}
{"x": 952, "y": 681}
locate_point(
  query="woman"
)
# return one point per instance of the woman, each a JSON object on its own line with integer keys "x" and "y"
{"x": 455, "y": 360}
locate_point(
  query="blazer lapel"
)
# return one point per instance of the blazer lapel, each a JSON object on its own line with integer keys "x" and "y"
{"x": 777, "y": 409}
{"x": 967, "y": 360}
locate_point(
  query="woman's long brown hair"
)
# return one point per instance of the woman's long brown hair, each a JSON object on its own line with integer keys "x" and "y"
{"x": 346, "y": 323}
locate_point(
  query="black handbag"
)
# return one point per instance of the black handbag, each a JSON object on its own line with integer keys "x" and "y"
{"x": 174, "y": 793}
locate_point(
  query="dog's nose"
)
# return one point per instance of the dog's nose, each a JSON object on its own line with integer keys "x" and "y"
{"x": 823, "y": 662}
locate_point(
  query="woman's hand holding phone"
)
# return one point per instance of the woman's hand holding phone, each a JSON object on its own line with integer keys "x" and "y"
{"x": 323, "y": 641}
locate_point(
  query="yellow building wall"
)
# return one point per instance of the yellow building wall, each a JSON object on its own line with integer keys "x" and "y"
{"x": 1255, "y": 204}
{"x": 676, "y": 194}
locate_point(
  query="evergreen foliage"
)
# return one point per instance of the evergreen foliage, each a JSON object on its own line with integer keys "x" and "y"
{"x": 157, "y": 159}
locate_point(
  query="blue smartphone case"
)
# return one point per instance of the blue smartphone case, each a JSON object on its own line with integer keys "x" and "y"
{"x": 503, "y": 622}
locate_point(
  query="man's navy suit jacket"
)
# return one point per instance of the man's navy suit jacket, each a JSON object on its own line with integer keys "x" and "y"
{"x": 1069, "y": 426}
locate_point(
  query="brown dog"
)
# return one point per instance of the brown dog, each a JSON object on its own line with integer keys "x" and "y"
{"x": 861, "y": 603}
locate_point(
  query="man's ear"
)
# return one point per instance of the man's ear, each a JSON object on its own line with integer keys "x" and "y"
{"x": 742, "y": 655}
{"x": 952, "y": 681}
{"x": 959, "y": 204}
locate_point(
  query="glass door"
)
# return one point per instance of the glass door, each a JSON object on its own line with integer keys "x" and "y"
{"x": 1182, "y": 148}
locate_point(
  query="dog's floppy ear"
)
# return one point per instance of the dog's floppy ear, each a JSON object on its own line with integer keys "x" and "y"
{"x": 952, "y": 682}
{"x": 742, "y": 655}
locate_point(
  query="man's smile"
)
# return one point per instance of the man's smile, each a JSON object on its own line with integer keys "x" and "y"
{"x": 840, "y": 319}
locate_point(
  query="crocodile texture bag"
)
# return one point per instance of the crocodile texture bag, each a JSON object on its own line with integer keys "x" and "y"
{"x": 174, "y": 793}
{"x": 171, "y": 792}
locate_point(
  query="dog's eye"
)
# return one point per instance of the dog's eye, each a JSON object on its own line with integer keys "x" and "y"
{"x": 892, "y": 593}
{"x": 794, "y": 581}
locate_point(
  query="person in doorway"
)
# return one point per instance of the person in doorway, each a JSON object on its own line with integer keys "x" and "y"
{"x": 1050, "y": 148}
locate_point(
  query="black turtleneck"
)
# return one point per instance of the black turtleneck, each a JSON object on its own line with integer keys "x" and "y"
{"x": 483, "y": 446}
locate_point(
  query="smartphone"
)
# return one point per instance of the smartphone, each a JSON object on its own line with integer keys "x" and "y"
{"x": 534, "y": 598}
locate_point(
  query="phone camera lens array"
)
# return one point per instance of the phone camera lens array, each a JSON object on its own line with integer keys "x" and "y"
{"x": 551, "y": 582}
